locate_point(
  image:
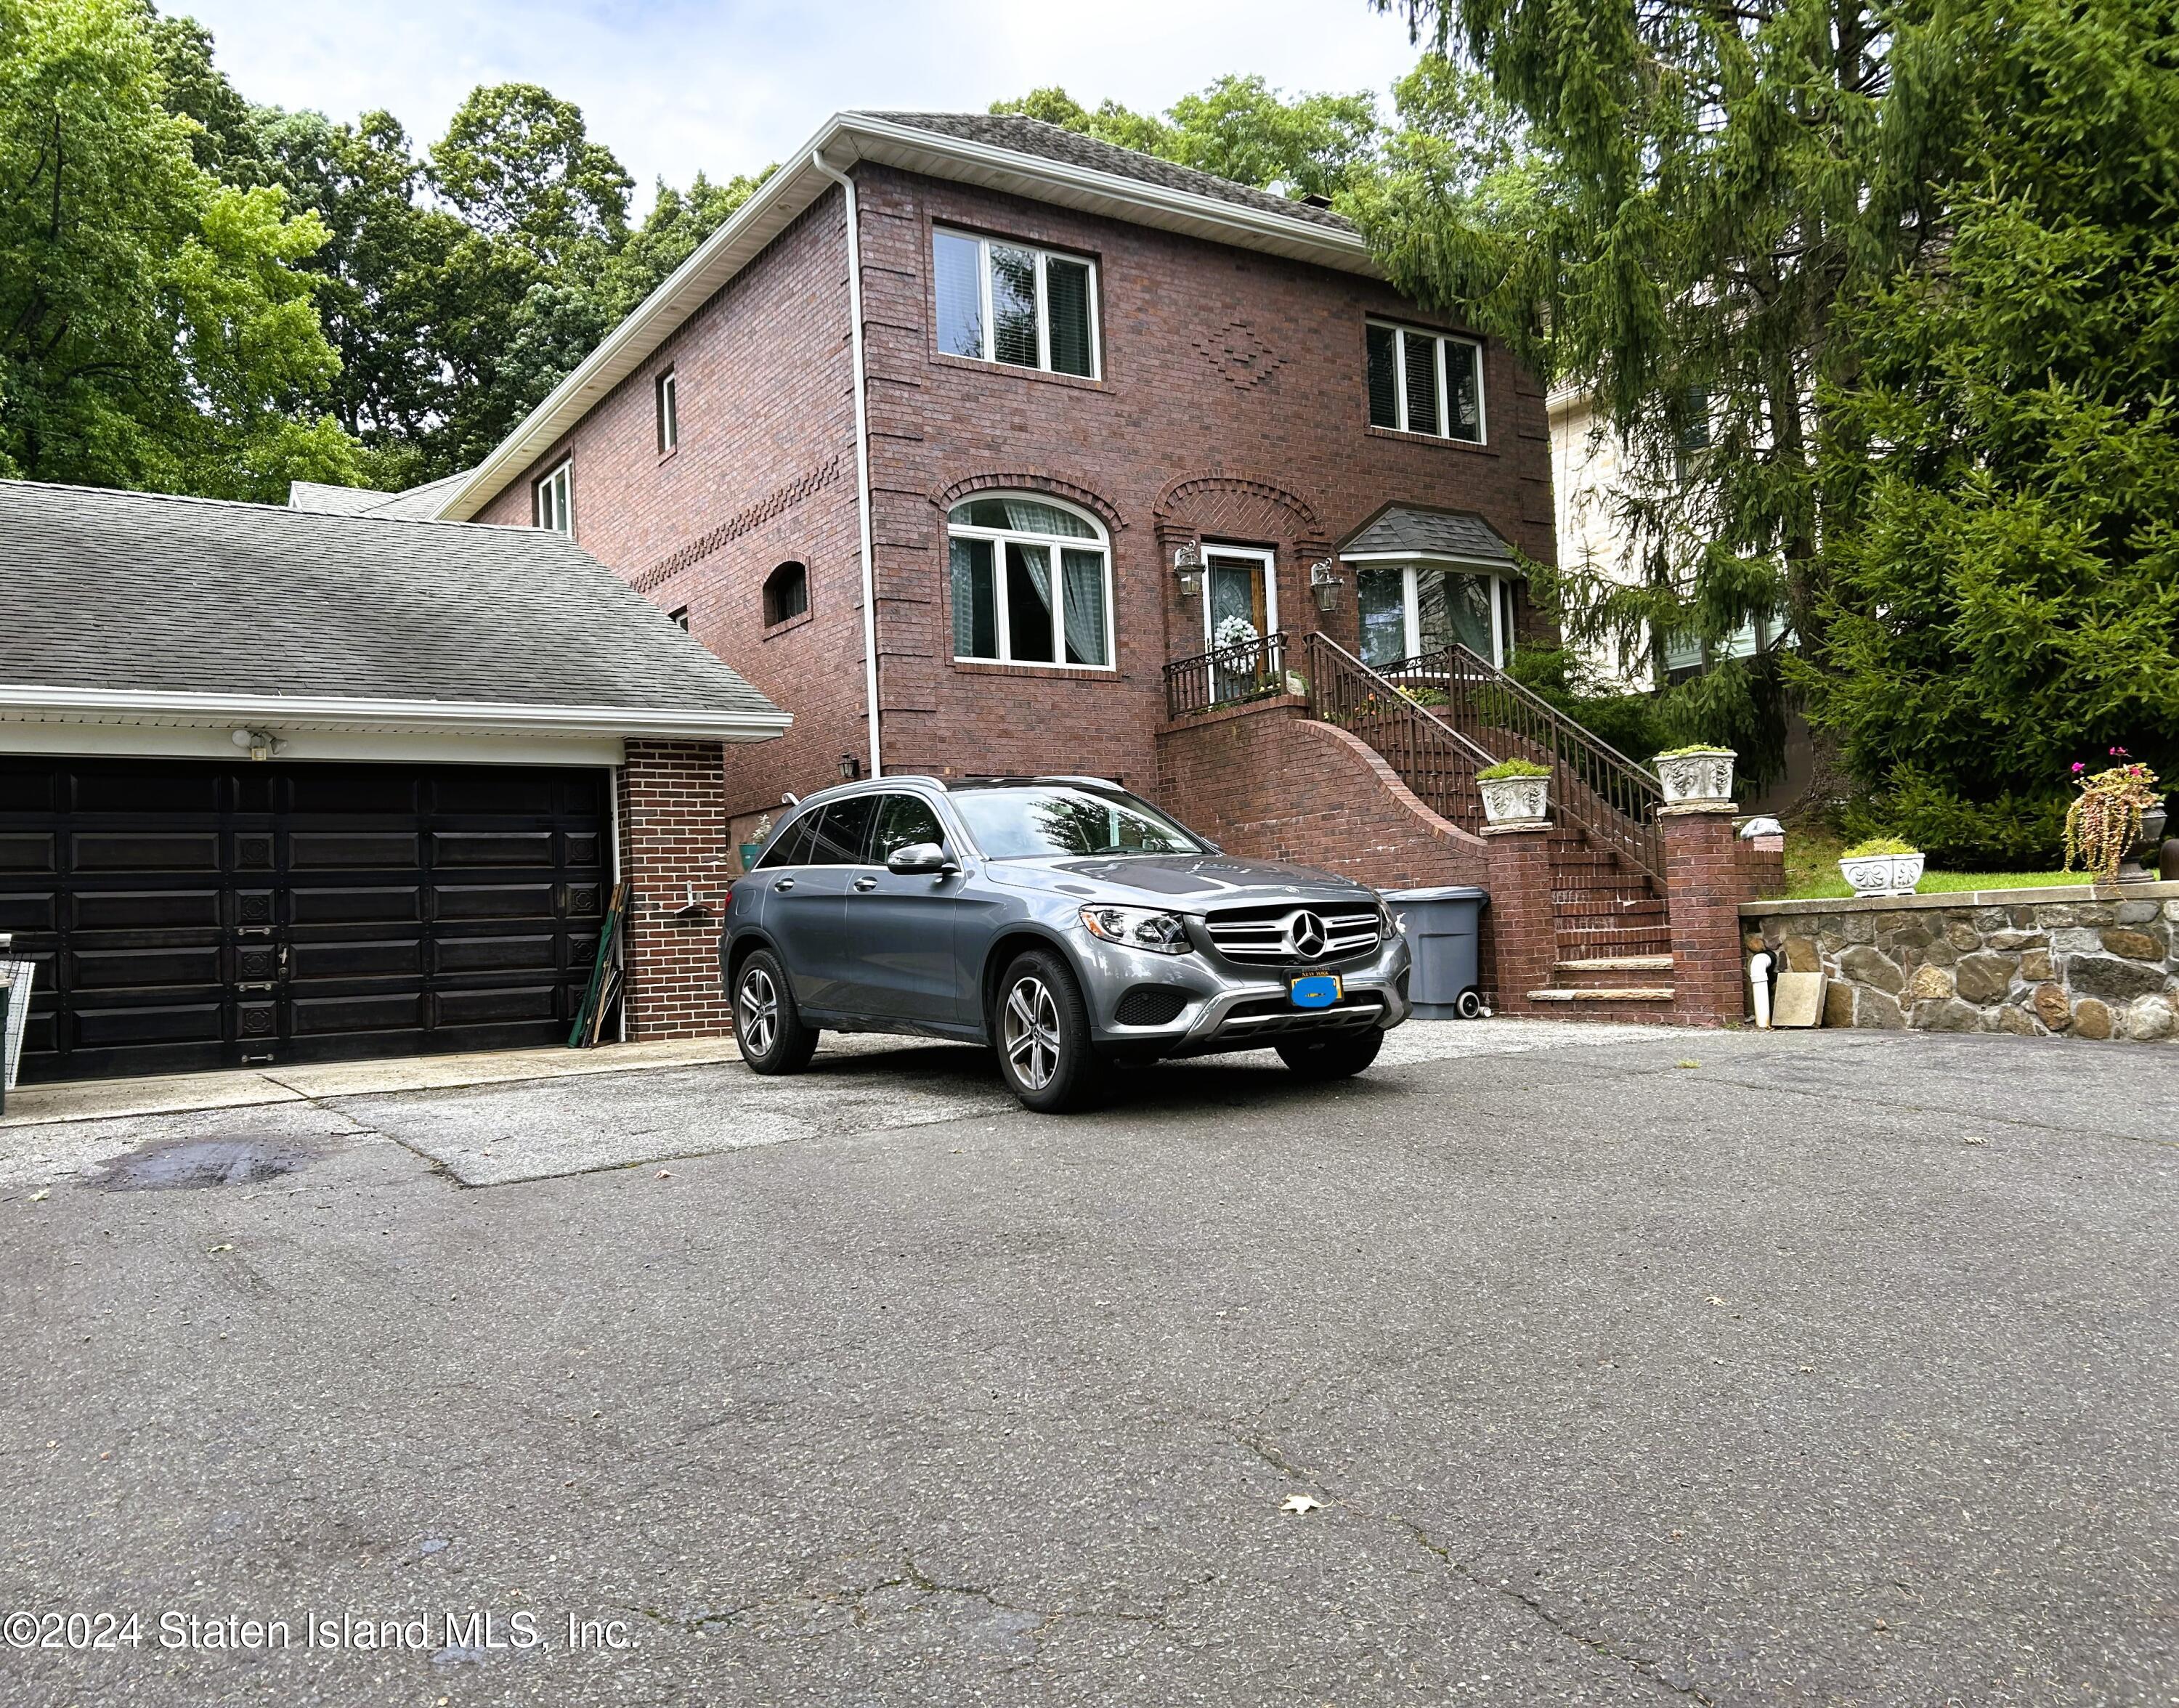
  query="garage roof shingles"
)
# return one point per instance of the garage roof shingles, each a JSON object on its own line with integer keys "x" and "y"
{"x": 131, "y": 592}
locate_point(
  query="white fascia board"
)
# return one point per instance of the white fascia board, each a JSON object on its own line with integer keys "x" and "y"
{"x": 216, "y": 743}
{"x": 1497, "y": 564}
{"x": 277, "y": 713}
{"x": 782, "y": 198}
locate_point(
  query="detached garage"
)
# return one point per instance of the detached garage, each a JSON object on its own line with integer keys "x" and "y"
{"x": 278, "y": 785}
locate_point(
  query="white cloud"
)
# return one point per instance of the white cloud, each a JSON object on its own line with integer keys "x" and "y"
{"x": 673, "y": 87}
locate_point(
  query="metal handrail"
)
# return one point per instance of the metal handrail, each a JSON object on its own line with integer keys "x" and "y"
{"x": 1226, "y": 676}
{"x": 1436, "y": 761}
{"x": 1594, "y": 785}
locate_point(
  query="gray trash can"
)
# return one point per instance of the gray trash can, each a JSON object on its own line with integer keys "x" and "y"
{"x": 1444, "y": 928}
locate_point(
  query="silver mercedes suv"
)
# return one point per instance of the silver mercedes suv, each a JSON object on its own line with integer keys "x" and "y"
{"x": 1059, "y": 920}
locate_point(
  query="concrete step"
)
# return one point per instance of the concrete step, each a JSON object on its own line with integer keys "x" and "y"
{"x": 1632, "y": 993}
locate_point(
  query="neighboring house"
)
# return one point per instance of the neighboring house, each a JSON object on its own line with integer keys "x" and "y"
{"x": 277, "y": 786}
{"x": 921, "y": 475}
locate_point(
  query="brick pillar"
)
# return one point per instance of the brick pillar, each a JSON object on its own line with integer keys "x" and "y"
{"x": 1523, "y": 923}
{"x": 673, "y": 847}
{"x": 1705, "y": 882}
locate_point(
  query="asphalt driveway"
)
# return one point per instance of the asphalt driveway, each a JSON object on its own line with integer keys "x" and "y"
{"x": 1543, "y": 1365}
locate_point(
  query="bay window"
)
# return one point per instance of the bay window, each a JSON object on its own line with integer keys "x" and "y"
{"x": 1015, "y": 304}
{"x": 1031, "y": 583}
{"x": 1416, "y": 607}
{"x": 1424, "y": 382}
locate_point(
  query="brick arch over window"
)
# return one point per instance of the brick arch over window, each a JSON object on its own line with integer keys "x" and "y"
{"x": 1237, "y": 507}
{"x": 1095, "y": 503}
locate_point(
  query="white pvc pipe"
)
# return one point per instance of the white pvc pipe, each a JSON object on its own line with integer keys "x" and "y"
{"x": 862, "y": 454}
{"x": 1759, "y": 981}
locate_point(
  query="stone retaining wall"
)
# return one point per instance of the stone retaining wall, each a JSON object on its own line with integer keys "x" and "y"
{"x": 2085, "y": 962}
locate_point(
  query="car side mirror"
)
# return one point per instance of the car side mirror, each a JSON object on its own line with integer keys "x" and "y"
{"x": 920, "y": 856}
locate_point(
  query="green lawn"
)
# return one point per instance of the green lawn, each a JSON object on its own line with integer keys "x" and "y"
{"x": 1811, "y": 872}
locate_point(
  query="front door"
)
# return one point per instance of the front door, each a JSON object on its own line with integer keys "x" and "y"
{"x": 1241, "y": 597}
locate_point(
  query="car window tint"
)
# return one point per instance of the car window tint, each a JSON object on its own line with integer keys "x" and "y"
{"x": 904, "y": 821}
{"x": 840, "y": 834}
{"x": 791, "y": 847}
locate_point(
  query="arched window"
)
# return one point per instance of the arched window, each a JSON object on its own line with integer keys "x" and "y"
{"x": 1032, "y": 582}
{"x": 786, "y": 593}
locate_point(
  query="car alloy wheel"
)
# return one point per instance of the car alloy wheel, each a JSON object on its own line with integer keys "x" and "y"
{"x": 1031, "y": 1032}
{"x": 757, "y": 1011}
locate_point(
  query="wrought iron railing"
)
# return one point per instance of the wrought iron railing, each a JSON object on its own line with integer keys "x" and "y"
{"x": 1252, "y": 670}
{"x": 1433, "y": 758}
{"x": 1593, "y": 785}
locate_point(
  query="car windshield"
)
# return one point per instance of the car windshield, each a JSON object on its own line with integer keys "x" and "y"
{"x": 1025, "y": 824}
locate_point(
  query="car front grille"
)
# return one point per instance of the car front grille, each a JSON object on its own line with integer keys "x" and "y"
{"x": 1265, "y": 935}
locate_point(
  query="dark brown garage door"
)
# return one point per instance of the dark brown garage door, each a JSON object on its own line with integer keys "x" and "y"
{"x": 188, "y": 915}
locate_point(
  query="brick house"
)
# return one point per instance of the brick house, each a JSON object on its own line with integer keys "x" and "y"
{"x": 969, "y": 440}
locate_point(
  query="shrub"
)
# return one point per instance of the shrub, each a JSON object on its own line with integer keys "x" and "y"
{"x": 1875, "y": 845}
{"x": 1512, "y": 767}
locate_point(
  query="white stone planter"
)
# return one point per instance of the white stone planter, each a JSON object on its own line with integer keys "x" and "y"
{"x": 1697, "y": 780}
{"x": 1515, "y": 803}
{"x": 1883, "y": 874}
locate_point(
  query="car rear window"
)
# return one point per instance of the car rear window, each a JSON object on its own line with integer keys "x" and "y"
{"x": 1026, "y": 824}
{"x": 840, "y": 834}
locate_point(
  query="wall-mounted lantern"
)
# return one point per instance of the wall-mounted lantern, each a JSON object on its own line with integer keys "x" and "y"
{"x": 1187, "y": 567}
{"x": 1325, "y": 582}
{"x": 851, "y": 768}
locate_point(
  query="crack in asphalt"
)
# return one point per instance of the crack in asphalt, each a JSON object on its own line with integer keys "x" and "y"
{"x": 1642, "y": 1667}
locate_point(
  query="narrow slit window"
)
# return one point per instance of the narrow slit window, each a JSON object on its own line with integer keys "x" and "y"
{"x": 669, "y": 413}
{"x": 552, "y": 501}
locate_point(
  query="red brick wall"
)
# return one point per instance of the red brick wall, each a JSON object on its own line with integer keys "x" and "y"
{"x": 1524, "y": 924}
{"x": 765, "y": 473}
{"x": 1268, "y": 782}
{"x": 1705, "y": 881}
{"x": 673, "y": 841}
{"x": 1232, "y": 407}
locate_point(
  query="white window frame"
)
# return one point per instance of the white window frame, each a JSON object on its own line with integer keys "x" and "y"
{"x": 560, "y": 483}
{"x": 984, "y": 247}
{"x": 1440, "y": 340}
{"x": 665, "y": 398}
{"x": 1102, "y": 545}
{"x": 1411, "y": 565}
{"x": 1268, "y": 560}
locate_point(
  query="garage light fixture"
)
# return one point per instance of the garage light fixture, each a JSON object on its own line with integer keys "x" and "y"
{"x": 259, "y": 744}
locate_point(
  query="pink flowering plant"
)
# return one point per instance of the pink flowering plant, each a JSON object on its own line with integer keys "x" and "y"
{"x": 2105, "y": 819}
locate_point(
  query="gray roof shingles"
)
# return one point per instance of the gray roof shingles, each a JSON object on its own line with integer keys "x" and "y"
{"x": 1411, "y": 527}
{"x": 1033, "y": 136}
{"x": 136, "y": 591}
{"x": 417, "y": 504}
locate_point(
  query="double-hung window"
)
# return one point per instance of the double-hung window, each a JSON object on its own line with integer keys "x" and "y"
{"x": 1026, "y": 307}
{"x": 552, "y": 501}
{"x": 1425, "y": 382}
{"x": 1032, "y": 583}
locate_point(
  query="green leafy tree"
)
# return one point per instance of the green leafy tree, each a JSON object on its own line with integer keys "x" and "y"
{"x": 2002, "y": 476}
{"x": 1692, "y": 189}
{"x": 157, "y": 329}
{"x": 677, "y": 224}
{"x": 1240, "y": 129}
{"x": 518, "y": 164}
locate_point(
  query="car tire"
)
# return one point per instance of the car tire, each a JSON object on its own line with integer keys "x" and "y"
{"x": 1339, "y": 1057}
{"x": 768, "y": 1028}
{"x": 1040, "y": 1032}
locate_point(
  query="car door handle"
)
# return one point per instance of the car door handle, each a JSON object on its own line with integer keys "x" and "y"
{"x": 783, "y": 885}
{"x": 866, "y": 883}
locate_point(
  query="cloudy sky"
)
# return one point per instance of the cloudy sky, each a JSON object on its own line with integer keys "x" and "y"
{"x": 673, "y": 86}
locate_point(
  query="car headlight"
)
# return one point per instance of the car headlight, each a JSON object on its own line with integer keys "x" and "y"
{"x": 1139, "y": 928}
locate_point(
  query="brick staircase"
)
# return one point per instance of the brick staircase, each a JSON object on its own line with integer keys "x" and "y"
{"x": 1613, "y": 937}
{"x": 1614, "y": 940}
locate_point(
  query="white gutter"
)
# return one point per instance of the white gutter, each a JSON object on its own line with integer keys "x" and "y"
{"x": 862, "y": 454}
{"x": 96, "y": 705}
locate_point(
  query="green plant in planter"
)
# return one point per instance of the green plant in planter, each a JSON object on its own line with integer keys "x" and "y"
{"x": 1688, "y": 752}
{"x": 2105, "y": 819}
{"x": 1512, "y": 767}
{"x": 1875, "y": 845}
